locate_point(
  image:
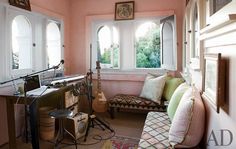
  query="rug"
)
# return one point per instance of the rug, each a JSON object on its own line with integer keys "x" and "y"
{"x": 121, "y": 142}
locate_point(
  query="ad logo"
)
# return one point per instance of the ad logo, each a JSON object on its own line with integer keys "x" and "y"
{"x": 224, "y": 139}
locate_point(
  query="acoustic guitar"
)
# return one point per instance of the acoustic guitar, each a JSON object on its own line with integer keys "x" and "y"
{"x": 100, "y": 101}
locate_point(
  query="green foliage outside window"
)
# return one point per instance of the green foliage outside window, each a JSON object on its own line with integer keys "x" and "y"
{"x": 148, "y": 49}
{"x": 105, "y": 58}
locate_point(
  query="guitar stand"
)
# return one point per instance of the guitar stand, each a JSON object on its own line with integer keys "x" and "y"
{"x": 92, "y": 118}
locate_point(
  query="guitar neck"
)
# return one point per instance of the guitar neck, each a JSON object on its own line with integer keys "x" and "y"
{"x": 99, "y": 88}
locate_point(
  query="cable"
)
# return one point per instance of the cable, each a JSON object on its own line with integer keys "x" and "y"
{"x": 97, "y": 138}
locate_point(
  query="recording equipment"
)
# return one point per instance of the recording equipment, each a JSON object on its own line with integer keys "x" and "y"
{"x": 70, "y": 99}
{"x": 77, "y": 125}
{"x": 68, "y": 79}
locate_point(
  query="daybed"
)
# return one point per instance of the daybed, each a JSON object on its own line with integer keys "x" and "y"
{"x": 179, "y": 127}
{"x": 154, "y": 94}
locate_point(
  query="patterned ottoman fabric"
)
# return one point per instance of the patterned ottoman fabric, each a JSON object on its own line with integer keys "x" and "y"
{"x": 135, "y": 102}
{"x": 155, "y": 132}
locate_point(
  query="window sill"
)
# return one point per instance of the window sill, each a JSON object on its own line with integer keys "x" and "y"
{"x": 126, "y": 75}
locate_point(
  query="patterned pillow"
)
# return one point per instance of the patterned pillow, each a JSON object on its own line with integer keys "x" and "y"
{"x": 153, "y": 88}
{"x": 175, "y": 99}
{"x": 187, "y": 127}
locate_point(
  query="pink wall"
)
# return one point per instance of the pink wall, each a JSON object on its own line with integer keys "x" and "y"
{"x": 82, "y": 8}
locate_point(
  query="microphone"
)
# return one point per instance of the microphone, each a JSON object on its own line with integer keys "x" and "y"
{"x": 61, "y": 62}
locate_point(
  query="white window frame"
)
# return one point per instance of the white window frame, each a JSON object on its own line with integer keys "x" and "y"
{"x": 96, "y": 27}
{"x": 194, "y": 61}
{"x": 165, "y": 65}
{"x": 89, "y": 53}
{"x": 127, "y": 58}
{"x": 11, "y": 14}
{"x": 61, "y": 29}
{"x": 38, "y": 25}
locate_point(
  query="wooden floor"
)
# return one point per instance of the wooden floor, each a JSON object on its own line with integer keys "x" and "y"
{"x": 124, "y": 124}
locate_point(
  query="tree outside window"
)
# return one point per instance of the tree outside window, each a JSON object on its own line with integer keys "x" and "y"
{"x": 147, "y": 46}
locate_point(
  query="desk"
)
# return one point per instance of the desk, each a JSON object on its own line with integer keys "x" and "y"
{"x": 33, "y": 111}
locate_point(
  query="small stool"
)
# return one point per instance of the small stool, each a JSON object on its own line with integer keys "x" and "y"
{"x": 61, "y": 115}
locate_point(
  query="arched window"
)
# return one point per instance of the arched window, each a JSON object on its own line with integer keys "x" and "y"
{"x": 147, "y": 44}
{"x": 21, "y": 43}
{"x": 108, "y": 46}
{"x": 53, "y": 44}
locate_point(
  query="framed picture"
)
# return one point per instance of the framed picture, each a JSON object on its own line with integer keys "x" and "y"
{"x": 216, "y": 5}
{"x": 214, "y": 80}
{"x": 25, "y": 4}
{"x": 124, "y": 10}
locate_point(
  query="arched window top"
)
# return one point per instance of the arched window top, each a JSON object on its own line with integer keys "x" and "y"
{"x": 108, "y": 46}
{"x": 21, "y": 26}
{"x": 53, "y": 31}
{"x": 53, "y": 44}
{"x": 145, "y": 28}
{"x": 104, "y": 37}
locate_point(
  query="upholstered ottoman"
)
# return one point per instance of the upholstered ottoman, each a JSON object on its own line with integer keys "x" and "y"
{"x": 156, "y": 131}
{"x": 134, "y": 103}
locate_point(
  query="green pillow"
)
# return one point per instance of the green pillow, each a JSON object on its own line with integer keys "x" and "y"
{"x": 170, "y": 86}
{"x": 175, "y": 99}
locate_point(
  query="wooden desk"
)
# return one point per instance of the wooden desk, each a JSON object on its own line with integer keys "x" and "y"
{"x": 33, "y": 112}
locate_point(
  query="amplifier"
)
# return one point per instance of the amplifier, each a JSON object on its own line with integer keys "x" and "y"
{"x": 77, "y": 125}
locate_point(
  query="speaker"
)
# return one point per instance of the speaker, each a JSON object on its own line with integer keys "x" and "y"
{"x": 77, "y": 125}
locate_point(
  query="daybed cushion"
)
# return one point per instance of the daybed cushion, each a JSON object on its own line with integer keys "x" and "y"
{"x": 135, "y": 102}
{"x": 155, "y": 132}
{"x": 175, "y": 99}
{"x": 170, "y": 85}
{"x": 187, "y": 127}
{"x": 153, "y": 88}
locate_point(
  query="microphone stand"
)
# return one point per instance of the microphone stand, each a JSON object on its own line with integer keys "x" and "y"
{"x": 32, "y": 108}
{"x": 92, "y": 118}
{"x": 28, "y": 75}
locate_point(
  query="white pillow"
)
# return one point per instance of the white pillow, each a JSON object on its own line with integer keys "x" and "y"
{"x": 188, "y": 125}
{"x": 153, "y": 88}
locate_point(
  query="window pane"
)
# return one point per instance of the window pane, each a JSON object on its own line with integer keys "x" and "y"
{"x": 108, "y": 47}
{"x": 53, "y": 44}
{"x": 21, "y": 43}
{"x": 147, "y": 44}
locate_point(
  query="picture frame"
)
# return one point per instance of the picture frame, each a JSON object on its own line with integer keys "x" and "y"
{"x": 214, "y": 80}
{"x": 216, "y": 5}
{"x": 124, "y": 10}
{"x": 24, "y": 4}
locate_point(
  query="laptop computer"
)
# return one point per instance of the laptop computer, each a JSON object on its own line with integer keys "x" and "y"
{"x": 33, "y": 86}
{"x": 32, "y": 82}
